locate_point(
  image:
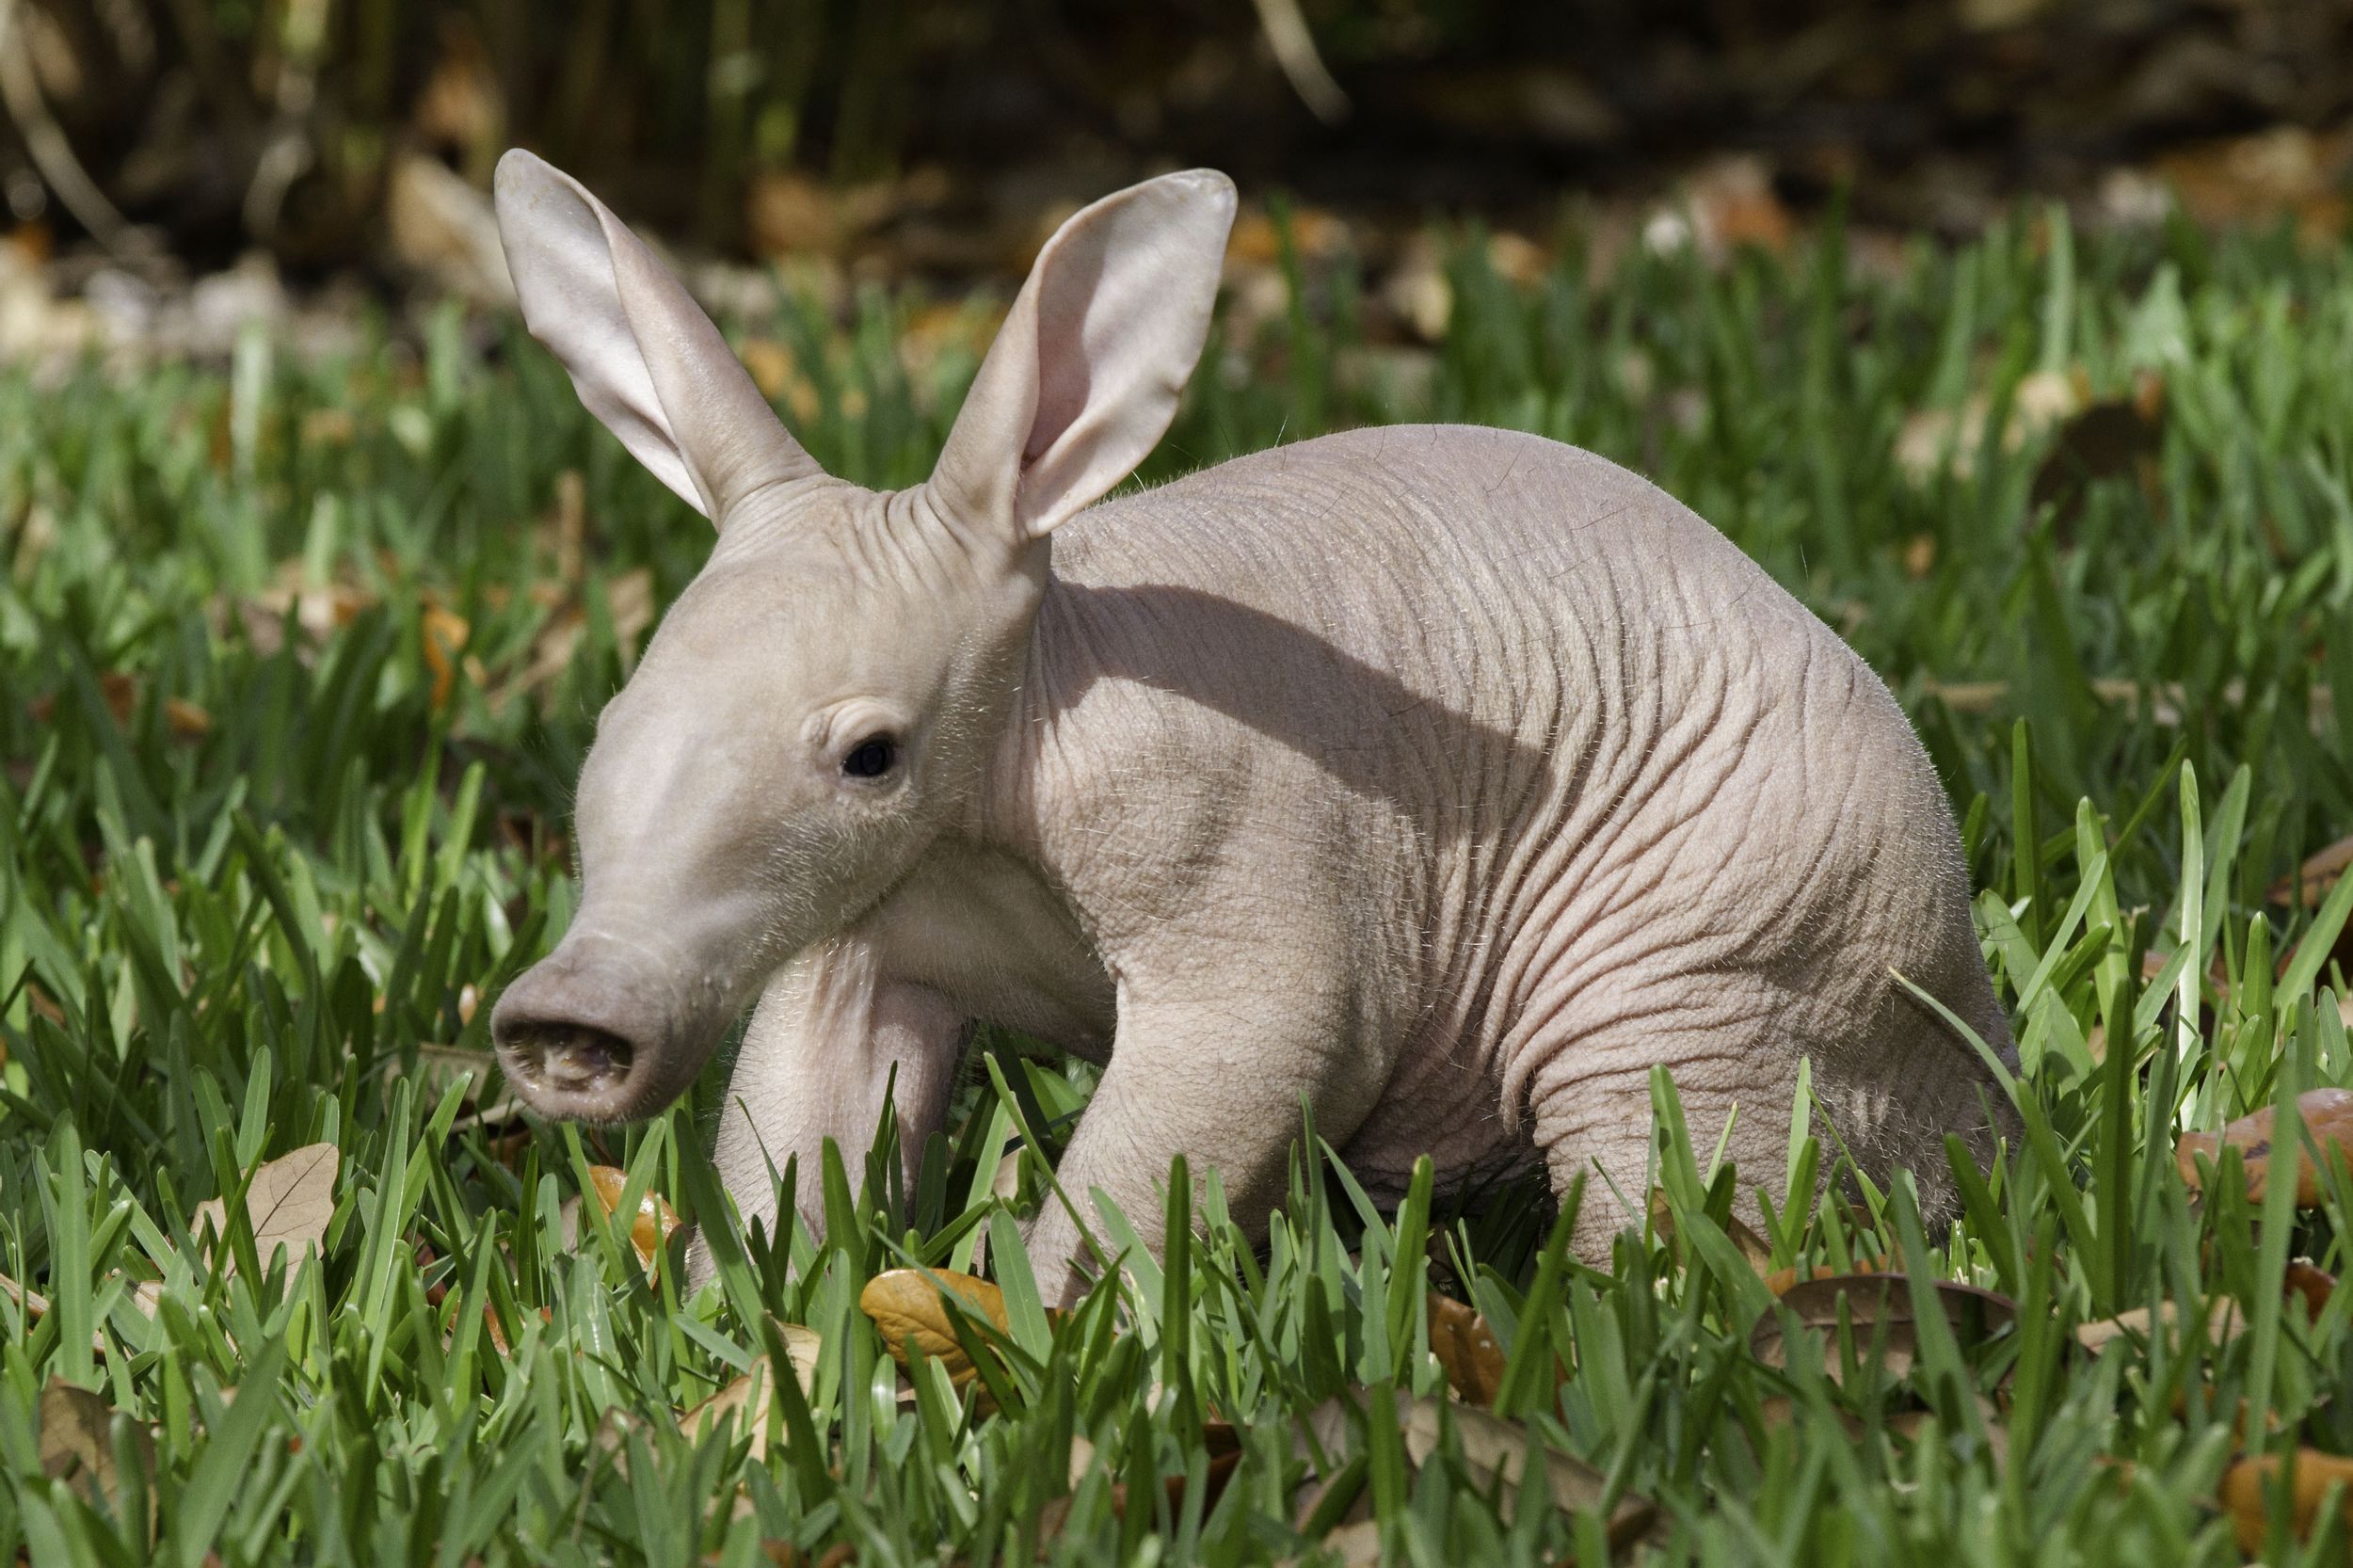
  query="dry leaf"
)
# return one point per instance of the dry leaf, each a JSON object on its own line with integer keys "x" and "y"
{"x": 650, "y": 1227}
{"x": 1225, "y": 1450}
{"x": 1780, "y": 1281}
{"x": 33, "y": 1301}
{"x": 289, "y": 1202}
{"x": 1356, "y": 1544}
{"x": 1910, "y": 1423}
{"x": 1753, "y": 1248}
{"x": 2327, "y": 1117}
{"x": 2105, "y": 440}
{"x": 2245, "y": 1482}
{"x": 1951, "y": 439}
{"x": 440, "y": 225}
{"x": 1319, "y": 1440}
{"x": 122, "y": 694}
{"x": 2317, "y": 876}
{"x": 460, "y": 107}
{"x": 783, "y": 1554}
{"x": 186, "y": 721}
{"x": 1780, "y": 1410}
{"x": 2256, "y": 179}
{"x": 748, "y": 1395}
{"x": 1466, "y": 1348}
{"x": 36, "y": 1305}
{"x": 905, "y": 1305}
{"x": 439, "y": 1066}
{"x": 319, "y": 610}
{"x": 498, "y": 1332}
{"x": 443, "y": 636}
{"x": 2315, "y": 1285}
{"x": 2224, "y": 1322}
{"x": 77, "y": 1444}
{"x": 1878, "y": 1307}
{"x": 1492, "y": 1449}
{"x": 629, "y": 596}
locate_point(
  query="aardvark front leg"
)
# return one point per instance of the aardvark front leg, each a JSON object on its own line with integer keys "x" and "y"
{"x": 816, "y": 1064}
{"x": 1217, "y": 1077}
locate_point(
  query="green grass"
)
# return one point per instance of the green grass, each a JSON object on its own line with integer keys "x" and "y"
{"x": 216, "y": 948}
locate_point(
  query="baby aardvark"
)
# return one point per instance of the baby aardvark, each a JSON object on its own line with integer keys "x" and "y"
{"x": 1451, "y": 777}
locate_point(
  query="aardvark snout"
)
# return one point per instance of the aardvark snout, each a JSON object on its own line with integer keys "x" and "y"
{"x": 584, "y": 1040}
{"x": 565, "y": 1058}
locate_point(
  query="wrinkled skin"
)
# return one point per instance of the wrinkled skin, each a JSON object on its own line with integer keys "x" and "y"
{"x": 1448, "y": 777}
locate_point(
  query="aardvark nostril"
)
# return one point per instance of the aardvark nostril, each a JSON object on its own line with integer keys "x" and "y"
{"x": 568, "y": 1057}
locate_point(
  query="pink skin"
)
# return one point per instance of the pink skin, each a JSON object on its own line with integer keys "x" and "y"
{"x": 1448, "y": 777}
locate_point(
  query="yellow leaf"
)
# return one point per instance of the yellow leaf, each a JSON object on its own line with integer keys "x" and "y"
{"x": 2244, "y": 1483}
{"x": 650, "y": 1227}
{"x": 906, "y": 1305}
{"x": 445, "y": 635}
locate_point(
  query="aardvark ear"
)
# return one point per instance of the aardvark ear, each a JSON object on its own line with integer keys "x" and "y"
{"x": 646, "y": 360}
{"x": 1084, "y": 376}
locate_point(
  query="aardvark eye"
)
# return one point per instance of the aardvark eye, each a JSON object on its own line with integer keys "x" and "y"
{"x": 870, "y": 757}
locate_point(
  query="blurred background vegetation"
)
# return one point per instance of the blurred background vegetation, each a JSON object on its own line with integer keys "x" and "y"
{"x": 323, "y": 132}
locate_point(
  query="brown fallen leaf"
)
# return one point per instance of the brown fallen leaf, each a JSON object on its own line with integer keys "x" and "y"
{"x": 1909, "y": 1424}
{"x": 629, "y": 597}
{"x": 1466, "y": 1348}
{"x": 2165, "y": 700}
{"x": 439, "y": 1066}
{"x": 318, "y": 608}
{"x": 905, "y": 1306}
{"x": 186, "y": 721}
{"x": 1493, "y": 1450}
{"x": 122, "y": 694}
{"x": 2327, "y": 1117}
{"x": 2246, "y": 1482}
{"x": 1879, "y": 1308}
{"x": 1780, "y": 1281}
{"x": 1950, "y": 439}
{"x": 497, "y": 1331}
{"x": 748, "y": 1397}
{"x": 1219, "y": 1438}
{"x": 2315, "y": 878}
{"x": 1494, "y": 1446}
{"x": 443, "y": 636}
{"x": 1780, "y": 1410}
{"x": 2262, "y": 177}
{"x": 2223, "y": 1323}
{"x": 650, "y": 1227}
{"x": 77, "y": 1444}
{"x": 1753, "y": 1248}
{"x": 783, "y": 1554}
{"x": 36, "y": 1305}
{"x": 2314, "y": 1284}
{"x": 1724, "y": 205}
{"x": 2104, "y": 440}
{"x": 289, "y": 1203}
{"x": 2178, "y": 1404}
{"x": 1356, "y": 1544}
